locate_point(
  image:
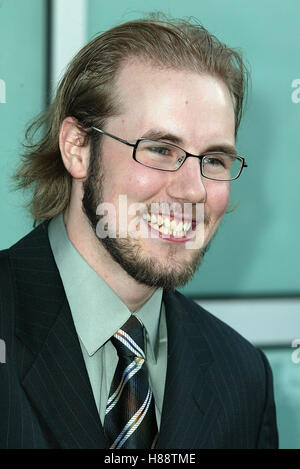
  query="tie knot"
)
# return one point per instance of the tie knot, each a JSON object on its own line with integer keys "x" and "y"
{"x": 129, "y": 340}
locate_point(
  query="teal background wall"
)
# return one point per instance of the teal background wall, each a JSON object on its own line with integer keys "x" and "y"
{"x": 256, "y": 251}
{"x": 23, "y": 70}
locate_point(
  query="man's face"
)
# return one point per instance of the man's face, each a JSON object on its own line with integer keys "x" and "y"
{"x": 195, "y": 112}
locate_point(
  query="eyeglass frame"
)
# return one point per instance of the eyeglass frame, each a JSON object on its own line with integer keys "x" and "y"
{"x": 187, "y": 155}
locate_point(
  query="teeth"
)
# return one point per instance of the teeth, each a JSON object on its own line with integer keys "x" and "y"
{"x": 167, "y": 227}
{"x": 172, "y": 225}
{"x": 153, "y": 219}
{"x": 178, "y": 232}
{"x": 167, "y": 222}
{"x": 146, "y": 217}
{"x": 179, "y": 226}
{"x": 160, "y": 220}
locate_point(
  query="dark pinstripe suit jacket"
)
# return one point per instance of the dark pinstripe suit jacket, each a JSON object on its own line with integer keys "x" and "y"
{"x": 218, "y": 391}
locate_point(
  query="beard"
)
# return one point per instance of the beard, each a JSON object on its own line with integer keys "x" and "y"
{"x": 129, "y": 252}
{"x": 150, "y": 271}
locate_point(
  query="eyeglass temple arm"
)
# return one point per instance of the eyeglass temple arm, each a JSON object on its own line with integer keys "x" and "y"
{"x": 114, "y": 137}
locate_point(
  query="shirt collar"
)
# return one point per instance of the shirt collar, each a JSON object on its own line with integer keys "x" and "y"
{"x": 97, "y": 310}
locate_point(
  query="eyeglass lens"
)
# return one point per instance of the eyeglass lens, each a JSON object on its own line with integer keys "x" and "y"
{"x": 168, "y": 157}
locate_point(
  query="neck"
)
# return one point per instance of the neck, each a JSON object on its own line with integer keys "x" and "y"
{"x": 83, "y": 238}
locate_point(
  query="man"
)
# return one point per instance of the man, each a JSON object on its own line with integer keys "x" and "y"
{"x": 102, "y": 351}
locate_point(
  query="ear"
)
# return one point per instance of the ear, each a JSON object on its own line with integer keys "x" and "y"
{"x": 74, "y": 148}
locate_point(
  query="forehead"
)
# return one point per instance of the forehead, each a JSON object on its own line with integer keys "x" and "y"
{"x": 178, "y": 101}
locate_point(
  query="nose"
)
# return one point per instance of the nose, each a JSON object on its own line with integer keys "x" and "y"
{"x": 186, "y": 184}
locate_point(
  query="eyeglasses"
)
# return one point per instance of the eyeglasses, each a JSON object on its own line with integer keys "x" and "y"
{"x": 164, "y": 156}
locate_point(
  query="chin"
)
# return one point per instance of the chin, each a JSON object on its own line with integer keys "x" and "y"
{"x": 168, "y": 272}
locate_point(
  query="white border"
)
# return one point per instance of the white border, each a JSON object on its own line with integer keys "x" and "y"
{"x": 264, "y": 322}
{"x": 68, "y": 35}
{"x": 2, "y": 91}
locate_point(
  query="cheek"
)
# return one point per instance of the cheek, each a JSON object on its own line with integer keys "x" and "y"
{"x": 141, "y": 183}
{"x": 136, "y": 181}
{"x": 217, "y": 198}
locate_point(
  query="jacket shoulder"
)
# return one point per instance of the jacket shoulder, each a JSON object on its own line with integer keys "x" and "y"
{"x": 220, "y": 333}
{"x": 36, "y": 236}
{"x": 19, "y": 261}
{"x": 240, "y": 372}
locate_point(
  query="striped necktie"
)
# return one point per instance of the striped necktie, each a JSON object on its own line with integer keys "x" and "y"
{"x": 130, "y": 421}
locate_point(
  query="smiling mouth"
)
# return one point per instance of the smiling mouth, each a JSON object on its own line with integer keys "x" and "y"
{"x": 169, "y": 227}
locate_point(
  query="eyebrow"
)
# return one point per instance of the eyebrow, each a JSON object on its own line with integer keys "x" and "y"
{"x": 154, "y": 134}
{"x": 230, "y": 149}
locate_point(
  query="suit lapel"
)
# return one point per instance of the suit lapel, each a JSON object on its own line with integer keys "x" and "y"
{"x": 191, "y": 404}
{"x": 55, "y": 378}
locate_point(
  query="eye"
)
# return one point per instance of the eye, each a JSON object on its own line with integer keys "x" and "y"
{"x": 216, "y": 161}
{"x": 161, "y": 150}
{"x": 220, "y": 161}
{"x": 159, "y": 155}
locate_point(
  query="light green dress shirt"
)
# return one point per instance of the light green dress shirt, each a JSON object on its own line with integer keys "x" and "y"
{"x": 98, "y": 313}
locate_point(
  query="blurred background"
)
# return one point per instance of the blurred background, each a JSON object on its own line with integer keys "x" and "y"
{"x": 250, "y": 278}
